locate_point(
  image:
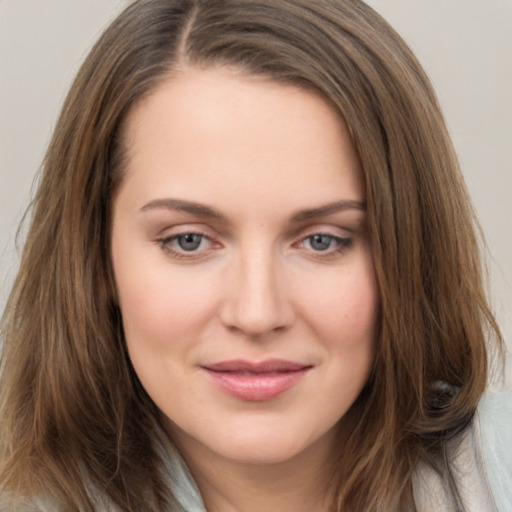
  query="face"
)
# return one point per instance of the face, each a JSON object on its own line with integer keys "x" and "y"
{"x": 243, "y": 269}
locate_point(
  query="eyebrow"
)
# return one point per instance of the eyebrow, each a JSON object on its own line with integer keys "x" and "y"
{"x": 329, "y": 209}
{"x": 184, "y": 206}
{"x": 206, "y": 211}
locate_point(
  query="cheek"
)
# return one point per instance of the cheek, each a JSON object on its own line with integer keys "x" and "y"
{"x": 160, "y": 306}
{"x": 347, "y": 322}
{"x": 344, "y": 307}
{"x": 165, "y": 317}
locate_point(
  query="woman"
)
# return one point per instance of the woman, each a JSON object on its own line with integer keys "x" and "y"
{"x": 252, "y": 280}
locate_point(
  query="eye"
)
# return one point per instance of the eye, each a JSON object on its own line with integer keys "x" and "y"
{"x": 321, "y": 242}
{"x": 186, "y": 245}
{"x": 189, "y": 241}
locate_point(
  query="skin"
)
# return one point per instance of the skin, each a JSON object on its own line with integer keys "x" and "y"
{"x": 259, "y": 161}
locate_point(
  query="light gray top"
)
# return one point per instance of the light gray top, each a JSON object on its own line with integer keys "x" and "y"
{"x": 482, "y": 466}
{"x": 495, "y": 415}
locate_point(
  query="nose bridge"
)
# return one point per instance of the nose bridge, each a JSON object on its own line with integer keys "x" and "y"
{"x": 257, "y": 302}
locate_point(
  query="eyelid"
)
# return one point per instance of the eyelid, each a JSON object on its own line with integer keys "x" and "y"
{"x": 168, "y": 230}
{"x": 343, "y": 238}
{"x": 168, "y": 236}
{"x": 322, "y": 229}
{"x": 323, "y": 233}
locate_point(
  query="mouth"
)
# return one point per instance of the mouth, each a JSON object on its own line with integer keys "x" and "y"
{"x": 256, "y": 381}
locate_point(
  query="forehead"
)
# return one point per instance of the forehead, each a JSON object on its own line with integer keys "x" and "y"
{"x": 216, "y": 134}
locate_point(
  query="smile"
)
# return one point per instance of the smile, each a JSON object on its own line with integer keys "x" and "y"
{"x": 256, "y": 382}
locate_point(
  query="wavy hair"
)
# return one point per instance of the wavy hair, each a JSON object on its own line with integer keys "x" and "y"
{"x": 76, "y": 426}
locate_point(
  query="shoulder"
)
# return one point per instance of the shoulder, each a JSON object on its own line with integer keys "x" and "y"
{"x": 494, "y": 418}
{"x": 480, "y": 462}
{"x": 181, "y": 481}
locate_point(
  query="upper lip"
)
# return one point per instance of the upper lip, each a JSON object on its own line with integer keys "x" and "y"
{"x": 260, "y": 367}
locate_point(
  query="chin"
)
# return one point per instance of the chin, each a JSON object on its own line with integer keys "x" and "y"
{"x": 262, "y": 451}
{"x": 254, "y": 444}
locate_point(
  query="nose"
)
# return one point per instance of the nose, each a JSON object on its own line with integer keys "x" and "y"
{"x": 256, "y": 302}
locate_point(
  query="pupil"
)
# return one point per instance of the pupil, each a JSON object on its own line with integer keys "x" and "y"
{"x": 189, "y": 242}
{"x": 320, "y": 242}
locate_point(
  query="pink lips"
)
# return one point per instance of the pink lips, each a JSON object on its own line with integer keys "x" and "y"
{"x": 256, "y": 382}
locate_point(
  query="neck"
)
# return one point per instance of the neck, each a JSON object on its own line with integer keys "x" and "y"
{"x": 299, "y": 484}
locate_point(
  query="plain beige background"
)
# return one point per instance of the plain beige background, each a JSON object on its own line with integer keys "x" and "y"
{"x": 465, "y": 46}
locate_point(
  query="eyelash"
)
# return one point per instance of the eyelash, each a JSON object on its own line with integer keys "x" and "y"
{"x": 167, "y": 245}
{"x": 342, "y": 244}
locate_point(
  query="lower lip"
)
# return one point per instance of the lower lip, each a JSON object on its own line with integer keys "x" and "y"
{"x": 257, "y": 388}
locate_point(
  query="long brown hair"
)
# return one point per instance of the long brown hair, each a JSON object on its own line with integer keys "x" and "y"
{"x": 76, "y": 426}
